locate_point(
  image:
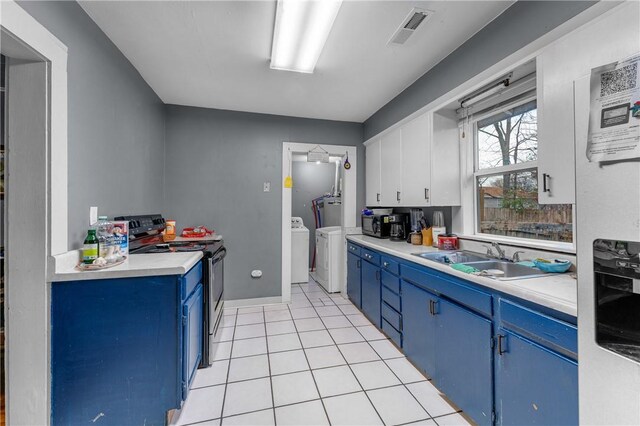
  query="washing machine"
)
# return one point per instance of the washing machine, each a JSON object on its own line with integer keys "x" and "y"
{"x": 328, "y": 247}
{"x": 299, "y": 251}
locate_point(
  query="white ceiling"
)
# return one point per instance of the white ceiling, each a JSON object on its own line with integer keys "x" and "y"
{"x": 216, "y": 54}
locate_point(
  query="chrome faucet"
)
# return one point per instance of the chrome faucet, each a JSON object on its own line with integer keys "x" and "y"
{"x": 501, "y": 254}
{"x": 516, "y": 256}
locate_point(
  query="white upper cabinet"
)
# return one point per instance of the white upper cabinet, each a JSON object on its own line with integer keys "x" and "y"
{"x": 390, "y": 171}
{"x": 558, "y": 66}
{"x": 372, "y": 173}
{"x": 416, "y": 165}
{"x": 416, "y": 162}
{"x": 445, "y": 160}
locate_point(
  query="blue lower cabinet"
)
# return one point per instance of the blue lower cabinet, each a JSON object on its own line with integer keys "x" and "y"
{"x": 534, "y": 385}
{"x": 371, "y": 292}
{"x": 123, "y": 351}
{"x": 192, "y": 337}
{"x": 354, "y": 284}
{"x": 501, "y": 360}
{"x": 464, "y": 359}
{"x": 419, "y": 327}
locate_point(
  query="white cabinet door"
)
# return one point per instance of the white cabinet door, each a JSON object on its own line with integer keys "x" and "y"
{"x": 416, "y": 162}
{"x": 372, "y": 174}
{"x": 558, "y": 66}
{"x": 556, "y": 156}
{"x": 445, "y": 160}
{"x": 390, "y": 171}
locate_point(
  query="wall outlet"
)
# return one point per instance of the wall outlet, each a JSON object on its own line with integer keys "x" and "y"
{"x": 93, "y": 215}
{"x": 266, "y": 187}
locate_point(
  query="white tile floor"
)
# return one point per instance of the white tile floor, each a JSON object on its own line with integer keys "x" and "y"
{"x": 315, "y": 361}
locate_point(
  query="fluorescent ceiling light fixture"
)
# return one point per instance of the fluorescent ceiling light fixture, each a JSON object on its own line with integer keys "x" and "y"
{"x": 301, "y": 30}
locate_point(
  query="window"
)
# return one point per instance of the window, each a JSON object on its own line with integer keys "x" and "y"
{"x": 506, "y": 176}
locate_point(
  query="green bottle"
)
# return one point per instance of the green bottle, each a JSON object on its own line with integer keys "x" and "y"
{"x": 90, "y": 248}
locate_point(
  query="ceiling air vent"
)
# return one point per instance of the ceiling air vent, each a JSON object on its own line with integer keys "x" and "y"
{"x": 409, "y": 25}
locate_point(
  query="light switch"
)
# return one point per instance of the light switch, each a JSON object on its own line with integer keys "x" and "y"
{"x": 266, "y": 187}
{"x": 93, "y": 215}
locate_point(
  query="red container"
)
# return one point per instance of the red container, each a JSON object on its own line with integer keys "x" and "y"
{"x": 447, "y": 242}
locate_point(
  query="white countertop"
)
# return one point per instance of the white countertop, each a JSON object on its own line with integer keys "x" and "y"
{"x": 137, "y": 265}
{"x": 555, "y": 291}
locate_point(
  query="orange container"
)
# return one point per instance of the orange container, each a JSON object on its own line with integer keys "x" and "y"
{"x": 170, "y": 230}
{"x": 427, "y": 237}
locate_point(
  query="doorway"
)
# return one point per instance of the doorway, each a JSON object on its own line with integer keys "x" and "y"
{"x": 335, "y": 206}
{"x": 35, "y": 205}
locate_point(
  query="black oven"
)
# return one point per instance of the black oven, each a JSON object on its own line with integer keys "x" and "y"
{"x": 616, "y": 267}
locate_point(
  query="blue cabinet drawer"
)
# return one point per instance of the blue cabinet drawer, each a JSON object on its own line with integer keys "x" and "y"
{"x": 391, "y": 298}
{"x": 191, "y": 279}
{"x": 394, "y": 334}
{"x": 388, "y": 264}
{"x": 391, "y": 316}
{"x": 451, "y": 287}
{"x": 391, "y": 282}
{"x": 543, "y": 329}
{"x": 370, "y": 256}
{"x": 353, "y": 248}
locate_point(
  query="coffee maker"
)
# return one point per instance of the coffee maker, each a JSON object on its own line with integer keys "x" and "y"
{"x": 400, "y": 227}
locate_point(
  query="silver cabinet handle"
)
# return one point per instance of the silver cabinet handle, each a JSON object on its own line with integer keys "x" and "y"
{"x": 386, "y": 264}
{"x": 398, "y": 195}
{"x": 426, "y": 194}
{"x": 545, "y": 186}
{"x": 378, "y": 196}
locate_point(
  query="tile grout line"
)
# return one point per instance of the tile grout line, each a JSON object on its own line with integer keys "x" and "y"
{"x": 224, "y": 395}
{"x": 273, "y": 401}
{"x": 354, "y": 375}
{"x": 326, "y": 413}
{"x": 384, "y": 361}
{"x": 297, "y": 332}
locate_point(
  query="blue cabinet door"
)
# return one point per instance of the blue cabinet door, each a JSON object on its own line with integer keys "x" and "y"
{"x": 418, "y": 327}
{"x": 534, "y": 385}
{"x": 192, "y": 337}
{"x": 464, "y": 359}
{"x": 354, "y": 284}
{"x": 371, "y": 292}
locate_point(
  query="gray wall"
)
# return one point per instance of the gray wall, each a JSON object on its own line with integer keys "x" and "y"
{"x": 115, "y": 125}
{"x": 310, "y": 180}
{"x": 216, "y": 164}
{"x": 518, "y": 26}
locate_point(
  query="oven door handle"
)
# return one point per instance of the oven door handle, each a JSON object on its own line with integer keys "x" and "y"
{"x": 219, "y": 255}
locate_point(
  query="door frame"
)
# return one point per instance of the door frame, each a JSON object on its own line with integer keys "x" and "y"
{"x": 349, "y": 203}
{"x": 27, "y": 324}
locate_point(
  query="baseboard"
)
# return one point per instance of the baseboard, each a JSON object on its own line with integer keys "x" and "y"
{"x": 240, "y": 303}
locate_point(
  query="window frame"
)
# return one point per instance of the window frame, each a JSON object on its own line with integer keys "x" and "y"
{"x": 511, "y": 168}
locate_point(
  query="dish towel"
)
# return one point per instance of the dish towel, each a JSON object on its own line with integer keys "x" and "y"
{"x": 464, "y": 268}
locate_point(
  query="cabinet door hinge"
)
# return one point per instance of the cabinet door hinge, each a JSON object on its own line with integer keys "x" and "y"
{"x": 493, "y": 417}
{"x": 493, "y": 342}
{"x": 184, "y": 320}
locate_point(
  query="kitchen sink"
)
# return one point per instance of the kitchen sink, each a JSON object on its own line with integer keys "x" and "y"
{"x": 512, "y": 271}
{"x": 459, "y": 256}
